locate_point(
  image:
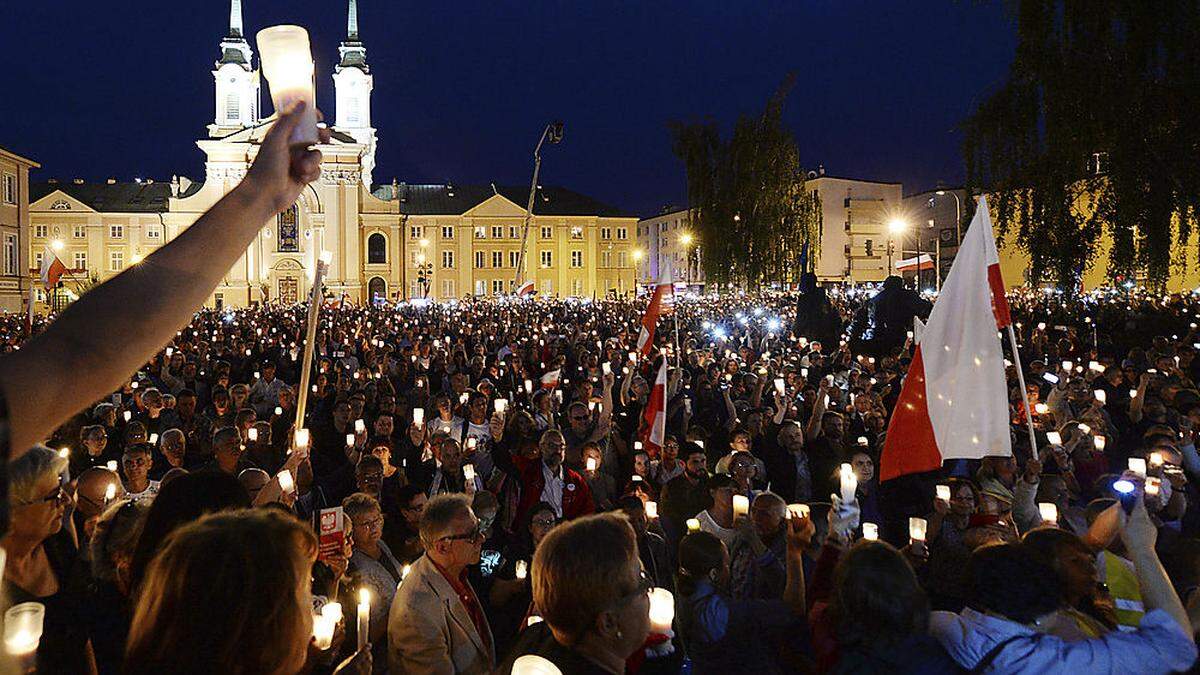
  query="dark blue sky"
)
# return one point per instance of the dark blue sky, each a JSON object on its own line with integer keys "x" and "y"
{"x": 462, "y": 89}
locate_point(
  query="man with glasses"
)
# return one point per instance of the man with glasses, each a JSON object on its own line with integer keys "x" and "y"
{"x": 547, "y": 479}
{"x": 437, "y": 624}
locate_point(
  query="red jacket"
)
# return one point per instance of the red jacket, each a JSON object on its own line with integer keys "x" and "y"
{"x": 577, "y": 497}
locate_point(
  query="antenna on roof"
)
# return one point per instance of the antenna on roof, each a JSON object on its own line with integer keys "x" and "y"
{"x": 494, "y": 190}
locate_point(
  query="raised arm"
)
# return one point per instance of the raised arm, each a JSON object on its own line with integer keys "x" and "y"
{"x": 112, "y": 330}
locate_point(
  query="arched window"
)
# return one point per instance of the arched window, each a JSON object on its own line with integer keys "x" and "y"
{"x": 376, "y": 249}
{"x": 289, "y": 235}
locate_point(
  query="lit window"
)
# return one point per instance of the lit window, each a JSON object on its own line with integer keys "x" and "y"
{"x": 480, "y": 232}
{"x": 576, "y": 232}
{"x": 116, "y": 261}
{"x": 116, "y": 231}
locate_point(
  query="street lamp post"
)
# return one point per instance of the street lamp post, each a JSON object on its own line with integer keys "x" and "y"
{"x": 957, "y": 215}
{"x": 896, "y": 228}
{"x": 686, "y": 239}
{"x": 424, "y": 270}
{"x": 554, "y": 134}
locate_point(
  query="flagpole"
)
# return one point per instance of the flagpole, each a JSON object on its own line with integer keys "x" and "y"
{"x": 1012, "y": 339}
{"x": 310, "y": 336}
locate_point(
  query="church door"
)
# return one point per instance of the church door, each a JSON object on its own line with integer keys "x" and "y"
{"x": 289, "y": 290}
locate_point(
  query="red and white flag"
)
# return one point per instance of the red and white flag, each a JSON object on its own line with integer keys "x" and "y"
{"x": 551, "y": 379}
{"x": 650, "y": 319}
{"x": 52, "y": 269}
{"x": 655, "y": 433}
{"x": 954, "y": 403}
{"x": 525, "y": 289}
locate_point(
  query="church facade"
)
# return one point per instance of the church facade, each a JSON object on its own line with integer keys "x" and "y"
{"x": 397, "y": 241}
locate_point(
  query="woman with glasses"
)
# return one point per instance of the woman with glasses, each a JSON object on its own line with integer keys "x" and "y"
{"x": 510, "y": 598}
{"x": 42, "y": 557}
{"x": 372, "y": 565}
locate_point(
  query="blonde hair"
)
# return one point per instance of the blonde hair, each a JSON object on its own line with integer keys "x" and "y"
{"x": 229, "y": 593}
{"x": 26, "y": 471}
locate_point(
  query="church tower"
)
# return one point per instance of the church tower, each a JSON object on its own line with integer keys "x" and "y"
{"x": 353, "y": 82}
{"x": 237, "y": 81}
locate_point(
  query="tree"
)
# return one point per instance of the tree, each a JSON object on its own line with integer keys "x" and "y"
{"x": 751, "y": 215}
{"x": 1095, "y": 127}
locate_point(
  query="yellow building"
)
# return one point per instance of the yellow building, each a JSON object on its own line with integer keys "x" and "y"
{"x": 471, "y": 235}
{"x": 14, "y": 229}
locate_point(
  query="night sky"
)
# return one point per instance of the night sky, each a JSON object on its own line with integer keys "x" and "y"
{"x": 123, "y": 88}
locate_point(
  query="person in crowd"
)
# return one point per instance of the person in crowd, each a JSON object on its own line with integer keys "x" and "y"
{"x": 136, "y": 464}
{"x": 718, "y": 519}
{"x": 652, "y": 547}
{"x": 758, "y": 554}
{"x": 588, "y": 628}
{"x": 686, "y": 495}
{"x": 548, "y": 480}
{"x": 110, "y": 607}
{"x": 436, "y": 623}
{"x": 372, "y": 564}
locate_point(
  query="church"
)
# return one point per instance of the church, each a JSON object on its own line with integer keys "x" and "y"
{"x": 394, "y": 242}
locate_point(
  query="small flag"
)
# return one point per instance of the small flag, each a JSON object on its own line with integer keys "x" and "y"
{"x": 52, "y": 269}
{"x": 650, "y": 318}
{"x": 525, "y": 289}
{"x": 655, "y": 417}
{"x": 551, "y": 379}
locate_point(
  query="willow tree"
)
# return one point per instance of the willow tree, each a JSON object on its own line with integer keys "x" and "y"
{"x": 751, "y": 215}
{"x": 1095, "y": 127}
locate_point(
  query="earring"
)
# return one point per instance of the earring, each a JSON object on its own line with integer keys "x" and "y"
{"x": 619, "y": 635}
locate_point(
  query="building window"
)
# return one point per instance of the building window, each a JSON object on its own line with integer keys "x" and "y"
{"x": 547, "y": 258}
{"x": 10, "y": 188}
{"x": 622, "y": 233}
{"x": 480, "y": 232}
{"x": 606, "y": 259}
{"x": 513, "y": 232}
{"x": 514, "y": 258}
{"x": 497, "y": 286}
{"x": 497, "y": 232}
{"x": 79, "y": 232}
{"x": 416, "y": 231}
{"x": 547, "y": 287}
{"x": 116, "y": 231}
{"x": 37, "y": 260}
{"x": 80, "y": 262}
{"x": 416, "y": 289}
{"x": 39, "y": 231}
{"x": 376, "y": 249}
{"x": 447, "y": 288}
{"x": 447, "y": 260}
{"x": 116, "y": 261}
{"x": 232, "y": 109}
{"x": 288, "y": 224}
{"x": 497, "y": 258}
{"x": 576, "y": 232}
{"x": 447, "y": 232}
{"x": 480, "y": 287}
{"x": 577, "y": 287}
{"x": 10, "y": 254}
{"x": 606, "y": 233}
{"x": 547, "y": 232}
{"x": 153, "y": 232}
{"x": 621, "y": 259}
{"x": 576, "y": 259}
{"x": 478, "y": 260}
{"x": 414, "y": 258}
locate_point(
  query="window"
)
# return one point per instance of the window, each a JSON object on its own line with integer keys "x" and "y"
{"x": 10, "y": 188}
{"x": 547, "y": 287}
{"x": 576, "y": 259}
{"x": 480, "y": 232}
{"x": 576, "y": 232}
{"x": 447, "y": 232}
{"x": 153, "y": 232}
{"x": 288, "y": 223}
{"x": 480, "y": 287}
{"x": 376, "y": 249}
{"x": 416, "y": 231}
{"x": 116, "y": 261}
{"x": 547, "y": 232}
{"x": 80, "y": 262}
{"x": 577, "y": 287}
{"x": 870, "y": 248}
{"x": 447, "y": 260}
{"x": 497, "y": 232}
{"x": 232, "y": 109}
{"x": 10, "y": 254}
{"x": 606, "y": 258}
{"x": 416, "y": 289}
{"x": 606, "y": 233}
{"x": 39, "y": 231}
{"x": 497, "y": 286}
{"x": 621, "y": 259}
{"x": 547, "y": 259}
{"x": 514, "y": 258}
{"x": 414, "y": 258}
{"x": 497, "y": 258}
{"x": 513, "y": 232}
{"x": 447, "y": 288}
{"x": 116, "y": 231}
{"x": 37, "y": 260}
{"x": 622, "y": 233}
{"x": 79, "y": 232}
{"x": 478, "y": 259}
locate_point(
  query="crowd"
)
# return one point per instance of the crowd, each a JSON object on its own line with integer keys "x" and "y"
{"x": 474, "y": 488}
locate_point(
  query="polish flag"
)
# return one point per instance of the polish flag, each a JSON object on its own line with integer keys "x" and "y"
{"x": 525, "y": 289}
{"x": 550, "y": 380}
{"x": 650, "y": 319}
{"x": 654, "y": 433}
{"x": 954, "y": 402}
{"x": 52, "y": 269}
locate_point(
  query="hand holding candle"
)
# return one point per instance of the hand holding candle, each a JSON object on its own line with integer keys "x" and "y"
{"x": 741, "y": 506}
{"x": 364, "y": 616}
{"x": 849, "y": 483}
{"x": 23, "y": 628}
{"x": 288, "y": 66}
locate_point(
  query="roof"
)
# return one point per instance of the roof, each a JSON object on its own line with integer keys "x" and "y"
{"x": 113, "y": 197}
{"x": 19, "y": 158}
{"x": 455, "y": 199}
{"x": 856, "y": 180}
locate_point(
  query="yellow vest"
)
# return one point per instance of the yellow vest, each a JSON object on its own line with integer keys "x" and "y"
{"x": 1123, "y": 586}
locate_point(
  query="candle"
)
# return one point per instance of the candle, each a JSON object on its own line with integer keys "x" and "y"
{"x": 111, "y": 465}
{"x": 862, "y": 440}
{"x": 469, "y": 472}
{"x": 779, "y": 386}
{"x": 633, "y": 357}
{"x": 323, "y": 627}
{"x": 349, "y": 440}
{"x": 1049, "y": 512}
{"x": 1152, "y": 486}
{"x": 501, "y": 405}
{"x": 1101, "y": 396}
{"x": 1095, "y": 367}
{"x": 652, "y": 510}
{"x": 278, "y": 411}
{"x": 286, "y": 482}
{"x": 472, "y": 442}
{"x": 404, "y": 572}
{"x": 916, "y": 529}
{"x": 252, "y": 434}
{"x": 528, "y": 387}
{"x": 1085, "y": 428}
{"x": 419, "y": 417}
{"x": 849, "y": 483}
{"x": 533, "y": 618}
{"x": 532, "y": 664}
{"x": 606, "y": 368}
{"x": 1138, "y": 466}
{"x": 23, "y": 628}
{"x": 360, "y": 426}
{"x": 128, "y": 415}
{"x": 591, "y": 406}
{"x": 1041, "y": 408}
{"x": 522, "y": 569}
{"x": 300, "y": 440}
{"x": 870, "y": 531}
{"x": 1099, "y": 442}
{"x": 287, "y": 63}
{"x": 1156, "y": 459}
{"x": 797, "y": 510}
{"x": 332, "y": 610}
{"x": 741, "y": 505}
{"x": 64, "y": 453}
{"x": 637, "y": 445}
{"x": 943, "y": 492}
{"x": 693, "y": 525}
{"x": 153, "y": 439}
{"x": 1053, "y": 438}
{"x": 1133, "y": 393}
{"x": 1068, "y": 366}
{"x": 591, "y": 463}
{"x": 364, "y": 616}
{"x": 662, "y": 611}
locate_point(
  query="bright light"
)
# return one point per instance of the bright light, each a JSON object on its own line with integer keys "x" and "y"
{"x": 424, "y": 243}
{"x": 420, "y": 258}
{"x": 637, "y": 254}
{"x": 737, "y": 218}
{"x": 57, "y": 245}
{"x": 941, "y": 193}
{"x": 136, "y": 258}
{"x": 326, "y": 257}
{"x": 774, "y": 325}
{"x": 686, "y": 238}
{"x": 897, "y": 225}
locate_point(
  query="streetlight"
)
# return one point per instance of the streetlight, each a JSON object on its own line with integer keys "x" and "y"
{"x": 686, "y": 239}
{"x": 554, "y": 134}
{"x": 424, "y": 273}
{"x": 57, "y": 245}
{"x": 957, "y": 215}
{"x": 896, "y": 227}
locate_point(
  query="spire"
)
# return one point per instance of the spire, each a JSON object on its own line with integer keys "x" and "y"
{"x": 235, "y": 18}
{"x": 352, "y": 51}
{"x": 234, "y": 48}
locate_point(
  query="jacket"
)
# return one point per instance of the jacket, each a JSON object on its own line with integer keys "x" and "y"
{"x": 431, "y": 632}
{"x": 576, "y": 498}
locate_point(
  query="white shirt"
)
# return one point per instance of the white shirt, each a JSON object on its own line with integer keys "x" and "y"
{"x": 707, "y": 524}
{"x": 453, "y": 427}
{"x": 149, "y": 493}
{"x": 552, "y": 493}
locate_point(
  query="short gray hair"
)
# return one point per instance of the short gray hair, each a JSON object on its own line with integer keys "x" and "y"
{"x": 439, "y": 513}
{"x": 26, "y": 471}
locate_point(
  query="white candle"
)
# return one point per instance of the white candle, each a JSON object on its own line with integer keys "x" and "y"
{"x": 301, "y": 440}
{"x": 1068, "y": 366}
{"x": 364, "y": 616}
{"x": 128, "y": 415}
{"x": 419, "y": 417}
{"x": 287, "y": 63}
{"x": 286, "y": 482}
{"x": 1133, "y": 393}
{"x": 943, "y": 492}
{"x": 360, "y": 426}
{"x": 528, "y": 387}
{"x": 1152, "y": 486}
{"x": 1095, "y": 367}
{"x": 278, "y": 411}
{"x": 1156, "y": 459}
{"x": 862, "y": 440}
{"x": 1048, "y": 511}
{"x": 1099, "y": 442}
{"x": 1085, "y": 428}
{"x": 1053, "y": 438}
{"x": 532, "y": 664}
{"x": 153, "y": 439}
{"x": 111, "y": 465}
{"x": 65, "y": 452}
{"x": 637, "y": 445}
{"x": 1101, "y": 396}
{"x": 323, "y": 627}
{"x": 23, "y": 628}
{"x": 522, "y": 569}
{"x": 741, "y": 505}
{"x": 252, "y": 434}
{"x": 916, "y": 529}
{"x": 404, "y": 572}
{"x": 849, "y": 483}
{"x": 662, "y": 610}
{"x": 469, "y": 472}
{"x": 1138, "y": 466}
{"x": 693, "y": 525}
{"x": 870, "y": 531}
{"x": 501, "y": 405}
{"x": 110, "y": 492}
{"x": 779, "y": 385}
{"x": 591, "y": 463}
{"x": 606, "y": 368}
{"x": 332, "y": 610}
{"x": 533, "y": 618}
{"x": 349, "y": 440}
{"x": 652, "y": 510}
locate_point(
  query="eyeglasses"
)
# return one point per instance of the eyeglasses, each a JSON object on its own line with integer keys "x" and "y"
{"x": 57, "y": 496}
{"x": 473, "y": 536}
{"x": 643, "y": 587}
{"x": 372, "y": 523}
{"x": 544, "y": 522}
